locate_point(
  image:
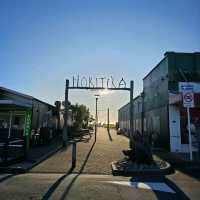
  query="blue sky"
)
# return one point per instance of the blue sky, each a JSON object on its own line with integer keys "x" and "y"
{"x": 44, "y": 42}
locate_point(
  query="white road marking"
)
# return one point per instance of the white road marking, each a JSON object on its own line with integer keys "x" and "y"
{"x": 158, "y": 186}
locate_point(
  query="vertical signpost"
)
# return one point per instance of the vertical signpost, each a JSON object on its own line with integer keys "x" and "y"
{"x": 188, "y": 102}
{"x": 131, "y": 113}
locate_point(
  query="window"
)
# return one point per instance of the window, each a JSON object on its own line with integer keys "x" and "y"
{"x": 4, "y": 120}
{"x": 18, "y": 121}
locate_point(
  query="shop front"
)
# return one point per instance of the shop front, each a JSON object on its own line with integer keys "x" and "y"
{"x": 15, "y": 128}
{"x": 178, "y": 124}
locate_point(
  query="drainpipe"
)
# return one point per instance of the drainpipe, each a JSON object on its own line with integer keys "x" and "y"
{"x": 10, "y": 124}
{"x": 142, "y": 113}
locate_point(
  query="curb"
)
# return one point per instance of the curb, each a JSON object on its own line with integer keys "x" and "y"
{"x": 44, "y": 157}
{"x": 19, "y": 170}
{"x": 144, "y": 172}
{"x": 180, "y": 193}
{"x": 189, "y": 166}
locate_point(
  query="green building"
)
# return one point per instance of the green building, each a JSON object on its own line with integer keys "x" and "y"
{"x": 20, "y": 116}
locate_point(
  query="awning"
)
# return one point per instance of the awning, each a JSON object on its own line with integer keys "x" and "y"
{"x": 175, "y": 98}
{"x": 14, "y": 104}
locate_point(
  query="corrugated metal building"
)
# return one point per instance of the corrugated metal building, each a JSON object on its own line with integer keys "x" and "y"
{"x": 162, "y": 115}
{"x": 124, "y": 116}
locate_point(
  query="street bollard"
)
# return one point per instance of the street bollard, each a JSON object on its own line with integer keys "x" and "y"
{"x": 73, "y": 155}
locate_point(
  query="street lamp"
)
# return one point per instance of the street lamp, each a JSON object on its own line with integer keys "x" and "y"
{"x": 96, "y": 116}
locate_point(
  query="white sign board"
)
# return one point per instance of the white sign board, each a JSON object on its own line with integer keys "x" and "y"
{"x": 188, "y": 99}
{"x": 187, "y": 90}
{"x": 186, "y": 87}
{"x": 189, "y": 85}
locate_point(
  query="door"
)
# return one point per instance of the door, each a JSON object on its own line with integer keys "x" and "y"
{"x": 174, "y": 127}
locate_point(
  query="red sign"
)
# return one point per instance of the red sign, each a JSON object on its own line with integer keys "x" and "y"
{"x": 188, "y": 99}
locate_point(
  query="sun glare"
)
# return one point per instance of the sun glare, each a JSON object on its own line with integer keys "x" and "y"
{"x": 105, "y": 92}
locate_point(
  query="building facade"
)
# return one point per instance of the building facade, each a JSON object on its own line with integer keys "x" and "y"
{"x": 20, "y": 114}
{"x": 124, "y": 116}
{"x": 162, "y": 115}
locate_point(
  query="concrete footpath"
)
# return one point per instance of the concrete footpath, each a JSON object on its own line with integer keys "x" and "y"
{"x": 92, "y": 158}
{"x": 189, "y": 184}
{"x": 35, "y": 155}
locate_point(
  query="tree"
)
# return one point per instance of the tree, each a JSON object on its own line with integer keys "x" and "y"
{"x": 80, "y": 116}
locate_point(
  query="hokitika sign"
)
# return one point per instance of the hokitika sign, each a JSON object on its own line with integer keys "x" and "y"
{"x": 98, "y": 82}
{"x": 90, "y": 83}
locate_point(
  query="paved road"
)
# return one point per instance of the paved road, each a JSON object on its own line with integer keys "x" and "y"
{"x": 92, "y": 178}
{"x": 92, "y": 158}
{"x": 80, "y": 187}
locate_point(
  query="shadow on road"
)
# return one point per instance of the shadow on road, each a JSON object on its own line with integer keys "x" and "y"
{"x": 55, "y": 185}
{"x": 80, "y": 171}
{"x": 189, "y": 168}
{"x": 7, "y": 177}
{"x": 58, "y": 182}
{"x": 178, "y": 191}
{"x": 109, "y": 135}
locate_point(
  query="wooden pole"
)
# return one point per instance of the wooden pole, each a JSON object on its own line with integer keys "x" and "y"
{"x": 108, "y": 122}
{"x": 131, "y": 113}
{"x": 96, "y": 120}
{"x": 65, "y": 133}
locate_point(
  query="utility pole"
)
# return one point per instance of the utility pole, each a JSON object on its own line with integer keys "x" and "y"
{"x": 65, "y": 133}
{"x": 96, "y": 117}
{"x": 108, "y": 122}
{"x": 131, "y": 114}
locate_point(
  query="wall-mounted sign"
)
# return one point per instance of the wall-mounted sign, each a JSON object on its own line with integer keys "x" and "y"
{"x": 186, "y": 87}
{"x": 187, "y": 90}
{"x": 28, "y": 118}
{"x": 100, "y": 82}
{"x": 188, "y": 99}
{"x": 27, "y": 128}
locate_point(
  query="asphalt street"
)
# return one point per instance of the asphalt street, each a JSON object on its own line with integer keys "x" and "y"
{"x": 92, "y": 177}
{"x": 81, "y": 187}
